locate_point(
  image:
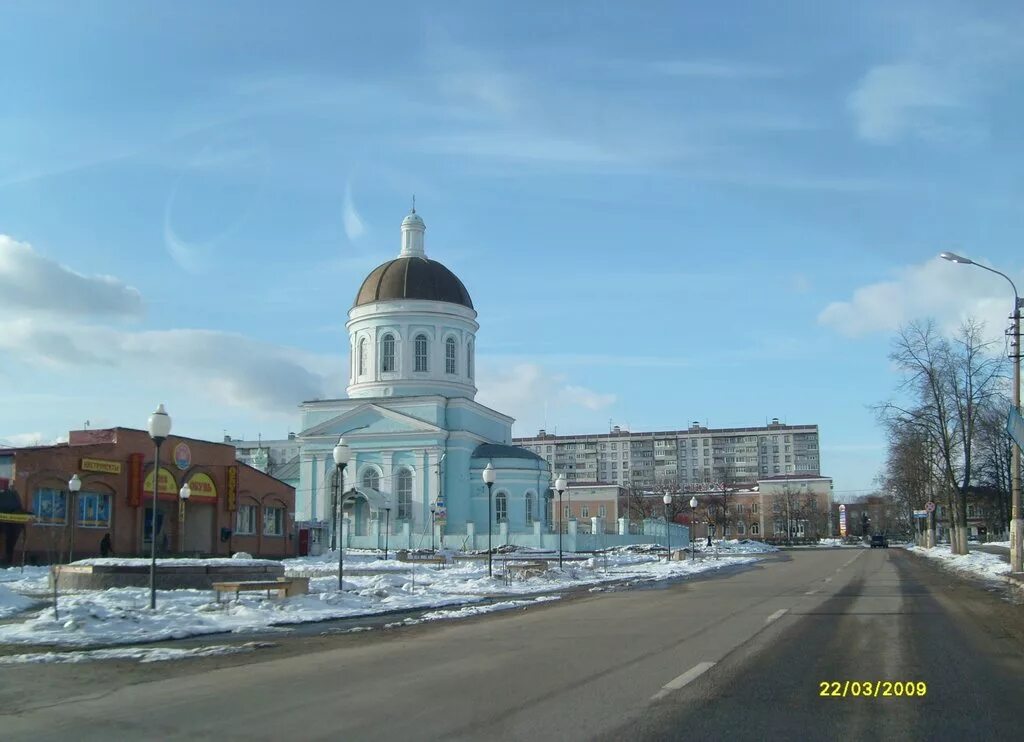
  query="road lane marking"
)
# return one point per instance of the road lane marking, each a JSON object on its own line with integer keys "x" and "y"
{"x": 685, "y": 679}
{"x": 828, "y": 579}
{"x": 776, "y": 616}
{"x": 810, "y": 592}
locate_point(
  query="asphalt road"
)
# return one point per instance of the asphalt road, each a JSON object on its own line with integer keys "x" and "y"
{"x": 740, "y": 655}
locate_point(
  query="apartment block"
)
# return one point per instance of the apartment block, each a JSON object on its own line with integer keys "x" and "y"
{"x": 689, "y": 457}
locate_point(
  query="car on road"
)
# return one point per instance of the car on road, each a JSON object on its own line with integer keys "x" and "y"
{"x": 879, "y": 541}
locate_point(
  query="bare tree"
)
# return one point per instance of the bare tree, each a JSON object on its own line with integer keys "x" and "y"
{"x": 949, "y": 383}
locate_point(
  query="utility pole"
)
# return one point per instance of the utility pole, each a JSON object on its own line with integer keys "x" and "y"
{"x": 1016, "y": 550}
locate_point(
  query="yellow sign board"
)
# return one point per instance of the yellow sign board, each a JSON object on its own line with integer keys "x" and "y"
{"x": 202, "y": 486}
{"x": 167, "y": 484}
{"x": 100, "y": 465}
{"x": 15, "y": 518}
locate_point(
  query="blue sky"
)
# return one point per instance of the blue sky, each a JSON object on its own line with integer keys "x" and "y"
{"x": 664, "y": 213}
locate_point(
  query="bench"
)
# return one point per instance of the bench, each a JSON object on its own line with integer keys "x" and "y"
{"x": 523, "y": 570}
{"x": 285, "y": 587}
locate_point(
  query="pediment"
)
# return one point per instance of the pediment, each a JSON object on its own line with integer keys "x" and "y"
{"x": 371, "y": 419}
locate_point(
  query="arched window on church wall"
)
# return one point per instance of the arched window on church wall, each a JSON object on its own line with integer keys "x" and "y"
{"x": 469, "y": 360}
{"x": 387, "y": 353}
{"x": 362, "y": 357}
{"x": 450, "y": 357}
{"x": 371, "y": 479}
{"x": 421, "y": 353}
{"x": 501, "y": 507}
{"x": 404, "y": 491}
{"x": 529, "y": 508}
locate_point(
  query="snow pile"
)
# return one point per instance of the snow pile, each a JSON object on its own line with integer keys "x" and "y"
{"x": 122, "y": 616}
{"x": 1003, "y": 544}
{"x": 142, "y": 654}
{"x": 744, "y": 546}
{"x": 830, "y": 542}
{"x": 976, "y": 564}
{"x": 142, "y": 562}
{"x": 11, "y": 602}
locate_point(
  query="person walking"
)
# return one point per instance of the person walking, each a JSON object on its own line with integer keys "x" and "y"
{"x": 106, "y": 549}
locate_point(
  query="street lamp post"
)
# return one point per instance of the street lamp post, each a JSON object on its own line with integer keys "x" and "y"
{"x": 489, "y": 475}
{"x": 433, "y": 508}
{"x": 183, "y": 494}
{"x": 159, "y": 429}
{"x": 560, "y": 488}
{"x": 342, "y": 454}
{"x": 667, "y": 499}
{"x": 74, "y": 484}
{"x": 387, "y": 530}
{"x": 693, "y": 524}
{"x": 1016, "y": 524}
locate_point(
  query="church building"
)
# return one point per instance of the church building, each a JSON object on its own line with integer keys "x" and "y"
{"x": 419, "y": 440}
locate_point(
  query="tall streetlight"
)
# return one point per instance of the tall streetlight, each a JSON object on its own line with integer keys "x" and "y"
{"x": 342, "y": 454}
{"x": 159, "y": 429}
{"x": 387, "y": 530}
{"x": 667, "y": 499}
{"x": 183, "y": 494}
{"x": 433, "y": 509}
{"x": 1016, "y": 524}
{"x": 489, "y": 475}
{"x": 74, "y": 484}
{"x": 693, "y": 527}
{"x": 560, "y": 488}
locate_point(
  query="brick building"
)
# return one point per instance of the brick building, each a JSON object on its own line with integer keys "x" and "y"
{"x": 233, "y": 507}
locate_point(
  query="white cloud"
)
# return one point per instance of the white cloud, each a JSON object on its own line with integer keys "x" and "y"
{"x": 30, "y": 282}
{"x": 354, "y": 225}
{"x": 935, "y": 89}
{"x": 223, "y": 367}
{"x": 22, "y": 439}
{"x": 936, "y": 288}
{"x": 894, "y": 100}
{"x": 532, "y": 394}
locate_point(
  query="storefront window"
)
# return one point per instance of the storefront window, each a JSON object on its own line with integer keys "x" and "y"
{"x": 245, "y": 520}
{"x": 93, "y": 510}
{"x": 273, "y": 521}
{"x": 49, "y": 506}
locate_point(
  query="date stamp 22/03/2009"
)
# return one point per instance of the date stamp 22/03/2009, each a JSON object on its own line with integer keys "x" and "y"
{"x": 872, "y": 688}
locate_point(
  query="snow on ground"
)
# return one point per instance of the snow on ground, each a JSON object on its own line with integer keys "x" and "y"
{"x": 976, "y": 564}
{"x": 11, "y": 602}
{"x": 122, "y": 616}
{"x": 142, "y": 654}
{"x": 1004, "y": 544}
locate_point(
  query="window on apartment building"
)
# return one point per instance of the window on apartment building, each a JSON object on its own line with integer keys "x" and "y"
{"x": 755, "y": 529}
{"x": 49, "y": 506}
{"x": 273, "y": 521}
{"x": 387, "y": 353}
{"x": 753, "y": 507}
{"x": 93, "y": 510}
{"x": 421, "y": 353}
{"x": 602, "y": 511}
{"x": 741, "y": 528}
{"x": 565, "y": 512}
{"x": 245, "y": 520}
{"x": 585, "y": 511}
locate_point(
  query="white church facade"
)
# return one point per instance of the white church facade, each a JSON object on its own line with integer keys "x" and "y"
{"x": 419, "y": 441}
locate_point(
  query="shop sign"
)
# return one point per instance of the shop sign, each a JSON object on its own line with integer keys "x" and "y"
{"x": 166, "y": 485}
{"x": 100, "y": 465}
{"x": 232, "y": 493}
{"x": 135, "y": 479}
{"x": 202, "y": 487}
{"x": 182, "y": 456}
